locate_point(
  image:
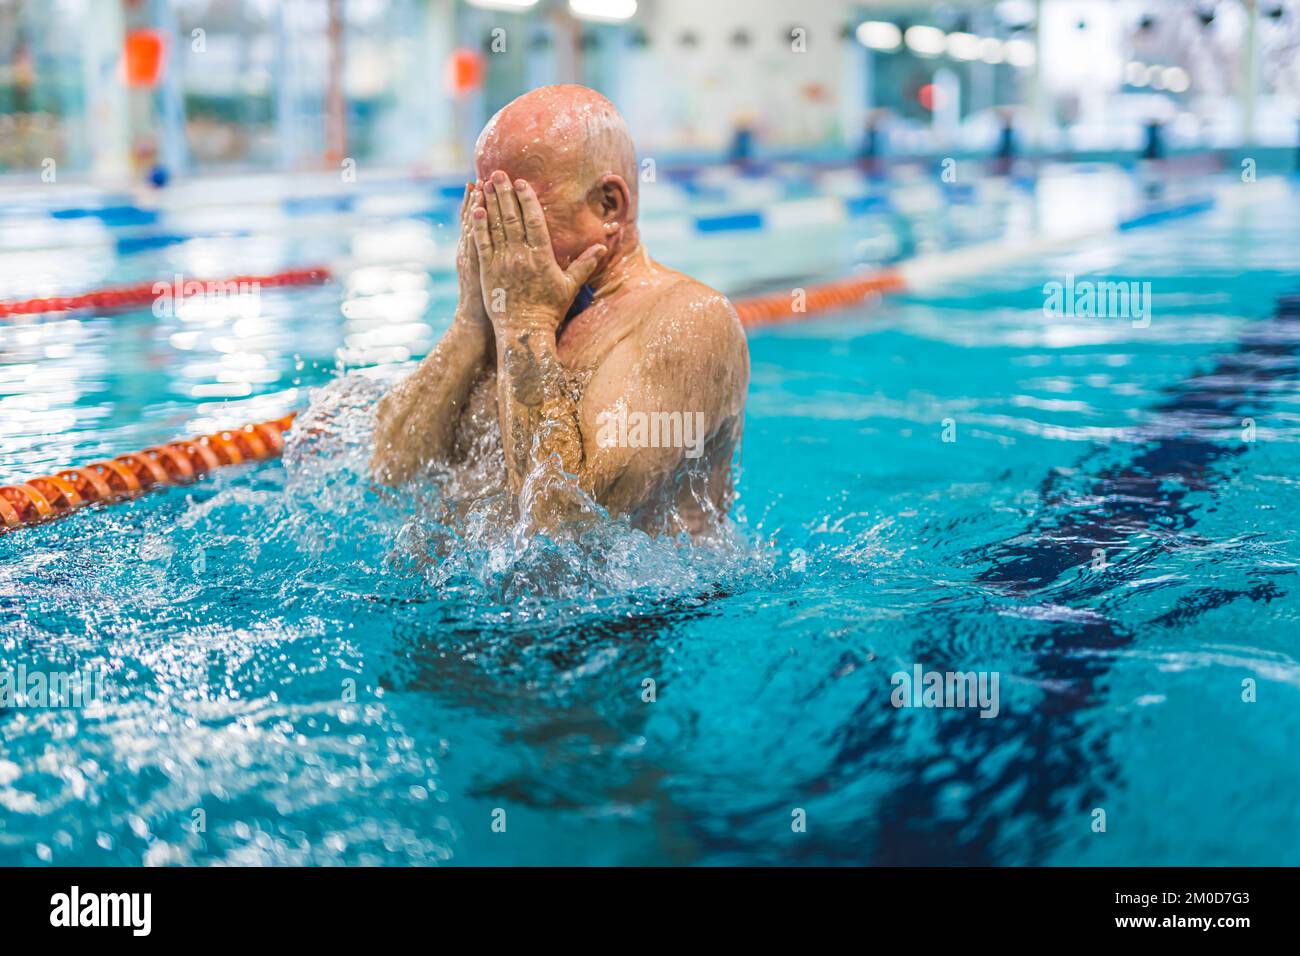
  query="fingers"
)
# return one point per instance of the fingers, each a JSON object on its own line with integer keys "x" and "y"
{"x": 482, "y": 234}
{"x": 511, "y": 219}
{"x": 466, "y": 222}
{"x": 581, "y": 268}
{"x": 535, "y": 232}
{"x": 478, "y": 200}
{"x": 464, "y": 205}
{"x": 495, "y": 223}
{"x": 470, "y": 247}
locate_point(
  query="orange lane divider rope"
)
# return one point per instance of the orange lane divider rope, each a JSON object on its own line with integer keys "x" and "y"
{"x": 145, "y": 293}
{"x": 114, "y": 479}
{"x": 839, "y": 294}
{"x": 181, "y": 462}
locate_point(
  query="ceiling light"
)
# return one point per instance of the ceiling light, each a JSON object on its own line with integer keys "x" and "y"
{"x": 927, "y": 41}
{"x": 878, "y": 35}
{"x": 1020, "y": 52}
{"x": 963, "y": 46}
{"x": 603, "y": 9}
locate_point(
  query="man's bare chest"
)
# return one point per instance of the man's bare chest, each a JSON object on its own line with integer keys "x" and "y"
{"x": 586, "y": 340}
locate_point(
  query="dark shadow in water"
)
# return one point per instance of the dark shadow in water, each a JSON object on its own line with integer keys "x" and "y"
{"x": 572, "y": 758}
{"x": 1044, "y": 758}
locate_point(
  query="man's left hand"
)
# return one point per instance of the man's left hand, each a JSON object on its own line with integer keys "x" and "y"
{"x": 523, "y": 285}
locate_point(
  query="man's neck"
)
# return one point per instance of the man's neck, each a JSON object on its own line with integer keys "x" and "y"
{"x": 628, "y": 261}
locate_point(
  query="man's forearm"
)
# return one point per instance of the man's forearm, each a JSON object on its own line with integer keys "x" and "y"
{"x": 539, "y": 413}
{"x": 417, "y": 420}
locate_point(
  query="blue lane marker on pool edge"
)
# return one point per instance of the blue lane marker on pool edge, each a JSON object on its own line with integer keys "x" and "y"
{"x": 1165, "y": 213}
{"x": 731, "y": 223}
{"x": 125, "y": 215}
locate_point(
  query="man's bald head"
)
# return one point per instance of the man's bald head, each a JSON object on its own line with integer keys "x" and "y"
{"x": 572, "y": 145}
{"x": 558, "y": 132}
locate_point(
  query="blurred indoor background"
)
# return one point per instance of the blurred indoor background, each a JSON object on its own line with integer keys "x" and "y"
{"x": 111, "y": 91}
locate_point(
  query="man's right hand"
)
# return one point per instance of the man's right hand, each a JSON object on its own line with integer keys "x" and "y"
{"x": 416, "y": 421}
{"x": 471, "y": 311}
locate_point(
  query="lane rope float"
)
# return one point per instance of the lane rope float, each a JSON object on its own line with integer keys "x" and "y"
{"x": 823, "y": 297}
{"x": 115, "y": 479}
{"x": 122, "y": 298}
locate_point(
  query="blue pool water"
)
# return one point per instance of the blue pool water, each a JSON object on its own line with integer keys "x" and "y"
{"x": 300, "y": 669}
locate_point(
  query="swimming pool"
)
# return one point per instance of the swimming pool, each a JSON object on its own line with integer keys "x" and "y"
{"x": 290, "y": 680}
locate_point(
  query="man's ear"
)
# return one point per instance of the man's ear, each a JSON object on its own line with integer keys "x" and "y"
{"x": 611, "y": 199}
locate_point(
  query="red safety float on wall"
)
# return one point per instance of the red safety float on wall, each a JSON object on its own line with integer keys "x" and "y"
{"x": 464, "y": 71}
{"x": 144, "y": 57}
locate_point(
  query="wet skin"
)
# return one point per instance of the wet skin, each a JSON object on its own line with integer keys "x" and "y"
{"x": 551, "y": 212}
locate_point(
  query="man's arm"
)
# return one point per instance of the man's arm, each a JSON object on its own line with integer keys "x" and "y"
{"x": 415, "y": 422}
{"x": 530, "y": 295}
{"x": 538, "y": 409}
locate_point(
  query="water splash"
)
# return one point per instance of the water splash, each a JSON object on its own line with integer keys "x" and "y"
{"x": 456, "y": 529}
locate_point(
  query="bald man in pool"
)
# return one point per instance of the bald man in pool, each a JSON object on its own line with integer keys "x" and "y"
{"x": 569, "y": 340}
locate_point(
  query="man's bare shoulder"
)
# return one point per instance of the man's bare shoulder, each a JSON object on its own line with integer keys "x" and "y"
{"x": 689, "y": 310}
{"x": 685, "y": 333}
{"x": 693, "y": 336}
